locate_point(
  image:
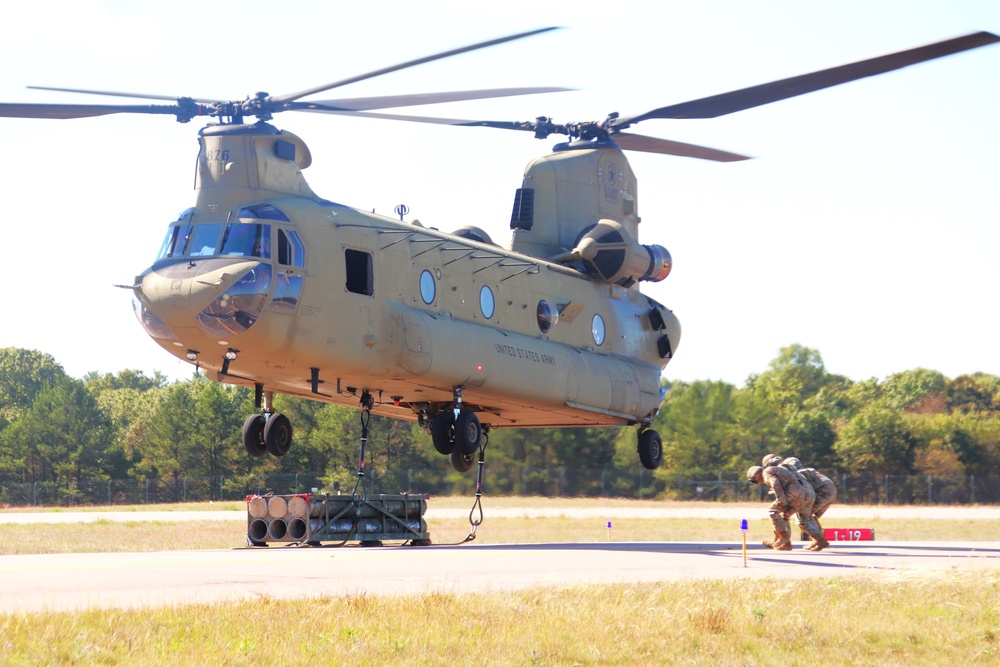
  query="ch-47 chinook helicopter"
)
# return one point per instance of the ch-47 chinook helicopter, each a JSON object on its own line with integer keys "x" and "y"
{"x": 266, "y": 284}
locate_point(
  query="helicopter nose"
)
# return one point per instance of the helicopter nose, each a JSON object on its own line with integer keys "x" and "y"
{"x": 215, "y": 297}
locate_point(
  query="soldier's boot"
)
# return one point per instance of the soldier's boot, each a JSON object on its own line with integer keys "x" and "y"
{"x": 784, "y": 542}
{"x": 820, "y": 544}
{"x": 770, "y": 543}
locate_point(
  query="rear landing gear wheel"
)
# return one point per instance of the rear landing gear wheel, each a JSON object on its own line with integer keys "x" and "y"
{"x": 442, "y": 432}
{"x": 253, "y": 435}
{"x": 278, "y": 434}
{"x": 650, "y": 449}
{"x": 468, "y": 432}
{"x": 462, "y": 462}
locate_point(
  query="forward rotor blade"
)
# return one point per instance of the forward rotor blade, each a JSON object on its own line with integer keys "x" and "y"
{"x": 412, "y": 63}
{"x": 746, "y": 98}
{"x": 501, "y": 124}
{"x": 113, "y": 94}
{"x": 79, "y": 110}
{"x": 388, "y": 101}
{"x": 639, "y": 142}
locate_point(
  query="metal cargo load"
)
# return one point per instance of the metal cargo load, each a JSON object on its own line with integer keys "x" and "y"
{"x": 313, "y": 519}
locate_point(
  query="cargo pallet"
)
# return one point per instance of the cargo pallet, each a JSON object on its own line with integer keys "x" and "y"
{"x": 314, "y": 519}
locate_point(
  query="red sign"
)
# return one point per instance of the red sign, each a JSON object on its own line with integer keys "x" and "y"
{"x": 849, "y": 534}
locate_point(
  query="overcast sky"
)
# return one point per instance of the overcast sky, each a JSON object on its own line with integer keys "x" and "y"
{"x": 867, "y": 226}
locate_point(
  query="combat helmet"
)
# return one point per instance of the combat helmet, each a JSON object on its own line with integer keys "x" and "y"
{"x": 753, "y": 472}
{"x": 793, "y": 463}
{"x": 770, "y": 460}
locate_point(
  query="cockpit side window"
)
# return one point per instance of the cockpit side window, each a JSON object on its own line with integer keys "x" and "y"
{"x": 176, "y": 241}
{"x": 291, "y": 252}
{"x": 248, "y": 240}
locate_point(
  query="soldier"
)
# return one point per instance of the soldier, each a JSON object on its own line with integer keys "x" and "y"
{"x": 790, "y": 496}
{"x": 775, "y": 460}
{"x": 826, "y": 490}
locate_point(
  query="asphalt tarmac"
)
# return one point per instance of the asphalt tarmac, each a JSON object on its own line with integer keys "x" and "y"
{"x": 68, "y": 582}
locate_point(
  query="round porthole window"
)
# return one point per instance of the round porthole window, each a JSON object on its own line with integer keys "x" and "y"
{"x": 487, "y": 303}
{"x": 597, "y": 328}
{"x": 547, "y": 314}
{"x": 428, "y": 288}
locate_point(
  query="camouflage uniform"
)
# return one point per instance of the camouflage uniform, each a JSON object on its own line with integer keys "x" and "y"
{"x": 826, "y": 490}
{"x": 790, "y": 496}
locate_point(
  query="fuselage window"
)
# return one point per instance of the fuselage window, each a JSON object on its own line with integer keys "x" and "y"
{"x": 291, "y": 252}
{"x": 247, "y": 240}
{"x": 487, "y": 304}
{"x": 598, "y": 330}
{"x": 547, "y": 316}
{"x": 360, "y": 275}
{"x": 204, "y": 240}
{"x": 428, "y": 289}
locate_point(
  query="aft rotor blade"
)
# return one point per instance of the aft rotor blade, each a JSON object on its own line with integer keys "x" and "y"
{"x": 142, "y": 96}
{"x": 412, "y": 63}
{"x": 639, "y": 142}
{"x": 746, "y": 98}
{"x": 79, "y": 110}
{"x": 388, "y": 101}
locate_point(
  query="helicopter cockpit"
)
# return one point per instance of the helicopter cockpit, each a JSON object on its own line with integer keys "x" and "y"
{"x": 212, "y": 246}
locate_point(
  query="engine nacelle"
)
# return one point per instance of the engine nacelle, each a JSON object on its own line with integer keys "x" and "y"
{"x": 610, "y": 254}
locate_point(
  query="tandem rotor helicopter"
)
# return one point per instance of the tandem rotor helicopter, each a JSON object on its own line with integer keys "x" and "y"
{"x": 266, "y": 284}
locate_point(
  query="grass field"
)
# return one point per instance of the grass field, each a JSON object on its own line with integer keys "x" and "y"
{"x": 939, "y": 619}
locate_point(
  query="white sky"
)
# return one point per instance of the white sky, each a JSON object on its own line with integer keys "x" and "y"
{"x": 868, "y": 227}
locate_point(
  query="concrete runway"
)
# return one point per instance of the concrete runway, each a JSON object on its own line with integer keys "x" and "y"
{"x": 68, "y": 582}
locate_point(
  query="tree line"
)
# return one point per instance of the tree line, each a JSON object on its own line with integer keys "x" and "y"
{"x": 60, "y": 430}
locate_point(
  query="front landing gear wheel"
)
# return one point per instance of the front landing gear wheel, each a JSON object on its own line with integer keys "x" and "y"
{"x": 462, "y": 462}
{"x": 650, "y": 449}
{"x": 253, "y": 435}
{"x": 442, "y": 432}
{"x": 468, "y": 432}
{"x": 278, "y": 434}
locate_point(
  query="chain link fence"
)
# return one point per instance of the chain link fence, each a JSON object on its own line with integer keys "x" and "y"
{"x": 636, "y": 483}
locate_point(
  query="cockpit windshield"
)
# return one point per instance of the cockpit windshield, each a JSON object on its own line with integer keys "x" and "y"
{"x": 242, "y": 239}
{"x": 248, "y": 240}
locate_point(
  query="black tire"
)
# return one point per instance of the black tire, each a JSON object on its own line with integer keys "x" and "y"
{"x": 278, "y": 434}
{"x": 468, "y": 432}
{"x": 442, "y": 432}
{"x": 253, "y": 435}
{"x": 462, "y": 462}
{"x": 650, "y": 449}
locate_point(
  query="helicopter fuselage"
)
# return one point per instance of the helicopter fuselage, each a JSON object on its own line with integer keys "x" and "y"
{"x": 311, "y": 298}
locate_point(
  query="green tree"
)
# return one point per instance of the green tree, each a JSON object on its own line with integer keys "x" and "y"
{"x": 695, "y": 424}
{"x": 918, "y": 390}
{"x": 23, "y": 374}
{"x": 62, "y": 438}
{"x": 792, "y": 377}
{"x": 876, "y": 441}
{"x": 195, "y": 432}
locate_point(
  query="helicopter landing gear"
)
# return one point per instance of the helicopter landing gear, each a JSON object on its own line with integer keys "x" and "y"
{"x": 253, "y": 435}
{"x": 468, "y": 432}
{"x": 462, "y": 434}
{"x": 267, "y": 431}
{"x": 278, "y": 434}
{"x": 442, "y": 432}
{"x": 457, "y": 433}
{"x": 462, "y": 462}
{"x": 650, "y": 449}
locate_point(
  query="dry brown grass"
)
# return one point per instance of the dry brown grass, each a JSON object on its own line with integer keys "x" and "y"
{"x": 944, "y": 618}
